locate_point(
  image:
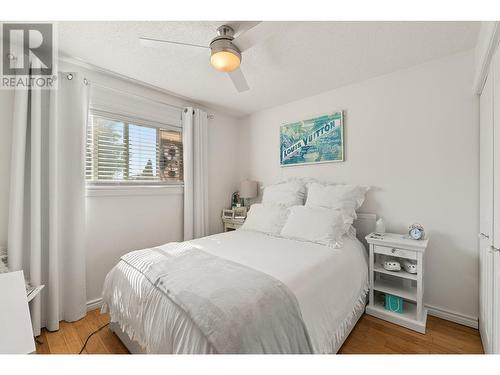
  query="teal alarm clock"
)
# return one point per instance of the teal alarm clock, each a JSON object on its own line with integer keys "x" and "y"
{"x": 416, "y": 232}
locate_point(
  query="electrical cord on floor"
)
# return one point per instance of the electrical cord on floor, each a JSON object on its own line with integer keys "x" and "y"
{"x": 92, "y": 334}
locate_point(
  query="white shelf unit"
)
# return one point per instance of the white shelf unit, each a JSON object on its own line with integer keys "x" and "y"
{"x": 406, "y": 319}
{"x": 407, "y": 292}
{"x": 408, "y": 286}
{"x": 402, "y": 274}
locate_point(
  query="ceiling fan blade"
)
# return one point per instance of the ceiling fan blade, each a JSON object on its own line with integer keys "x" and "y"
{"x": 158, "y": 42}
{"x": 241, "y": 27}
{"x": 258, "y": 33}
{"x": 239, "y": 80}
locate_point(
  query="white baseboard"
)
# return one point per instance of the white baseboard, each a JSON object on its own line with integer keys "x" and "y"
{"x": 94, "y": 304}
{"x": 453, "y": 316}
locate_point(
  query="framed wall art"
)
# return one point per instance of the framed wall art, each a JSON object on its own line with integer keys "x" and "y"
{"x": 316, "y": 140}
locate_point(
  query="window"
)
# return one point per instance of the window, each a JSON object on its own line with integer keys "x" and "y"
{"x": 121, "y": 150}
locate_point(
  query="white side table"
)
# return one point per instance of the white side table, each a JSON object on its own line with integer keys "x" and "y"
{"x": 232, "y": 224}
{"x": 402, "y": 284}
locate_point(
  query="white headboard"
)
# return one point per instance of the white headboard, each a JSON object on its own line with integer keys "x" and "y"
{"x": 364, "y": 224}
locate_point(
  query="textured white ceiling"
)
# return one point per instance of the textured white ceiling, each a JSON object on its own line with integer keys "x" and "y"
{"x": 302, "y": 59}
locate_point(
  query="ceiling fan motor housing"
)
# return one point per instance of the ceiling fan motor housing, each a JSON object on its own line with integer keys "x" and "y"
{"x": 224, "y": 41}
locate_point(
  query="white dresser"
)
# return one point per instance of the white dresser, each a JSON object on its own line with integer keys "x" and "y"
{"x": 16, "y": 332}
{"x": 409, "y": 286}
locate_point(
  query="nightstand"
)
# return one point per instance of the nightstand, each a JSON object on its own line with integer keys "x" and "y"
{"x": 232, "y": 224}
{"x": 408, "y": 286}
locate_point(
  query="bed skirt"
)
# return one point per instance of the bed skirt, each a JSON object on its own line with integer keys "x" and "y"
{"x": 340, "y": 336}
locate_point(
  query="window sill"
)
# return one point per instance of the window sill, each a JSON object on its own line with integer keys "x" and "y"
{"x": 131, "y": 190}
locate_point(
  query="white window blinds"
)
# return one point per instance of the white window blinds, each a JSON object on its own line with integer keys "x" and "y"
{"x": 125, "y": 151}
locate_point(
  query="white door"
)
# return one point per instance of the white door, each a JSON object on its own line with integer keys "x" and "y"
{"x": 486, "y": 213}
{"x": 495, "y": 249}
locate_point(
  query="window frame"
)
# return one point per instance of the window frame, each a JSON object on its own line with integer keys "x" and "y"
{"x": 128, "y": 184}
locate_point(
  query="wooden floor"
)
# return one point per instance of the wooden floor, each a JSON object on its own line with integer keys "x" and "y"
{"x": 370, "y": 336}
{"x": 375, "y": 336}
{"x": 71, "y": 336}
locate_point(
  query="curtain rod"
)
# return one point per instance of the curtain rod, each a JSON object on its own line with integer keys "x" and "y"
{"x": 210, "y": 116}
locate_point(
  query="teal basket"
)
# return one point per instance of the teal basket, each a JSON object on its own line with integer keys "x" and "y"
{"x": 394, "y": 303}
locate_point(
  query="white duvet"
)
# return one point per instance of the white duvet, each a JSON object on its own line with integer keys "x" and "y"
{"x": 329, "y": 284}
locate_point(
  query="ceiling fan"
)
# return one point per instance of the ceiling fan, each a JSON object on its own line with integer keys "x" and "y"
{"x": 226, "y": 49}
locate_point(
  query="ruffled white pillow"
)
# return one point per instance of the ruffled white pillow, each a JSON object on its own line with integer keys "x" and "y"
{"x": 286, "y": 194}
{"x": 337, "y": 197}
{"x": 265, "y": 218}
{"x": 319, "y": 225}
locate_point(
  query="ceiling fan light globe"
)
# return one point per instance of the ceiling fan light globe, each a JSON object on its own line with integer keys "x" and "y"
{"x": 225, "y": 61}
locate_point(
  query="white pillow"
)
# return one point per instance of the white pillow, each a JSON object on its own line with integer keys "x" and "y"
{"x": 318, "y": 225}
{"x": 338, "y": 197}
{"x": 265, "y": 218}
{"x": 285, "y": 194}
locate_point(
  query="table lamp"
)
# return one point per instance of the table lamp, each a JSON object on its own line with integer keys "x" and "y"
{"x": 248, "y": 189}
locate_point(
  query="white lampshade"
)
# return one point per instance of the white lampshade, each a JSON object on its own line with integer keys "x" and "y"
{"x": 248, "y": 189}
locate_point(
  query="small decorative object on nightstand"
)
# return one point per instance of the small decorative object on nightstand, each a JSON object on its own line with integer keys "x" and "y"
{"x": 235, "y": 200}
{"x": 388, "y": 285}
{"x": 416, "y": 232}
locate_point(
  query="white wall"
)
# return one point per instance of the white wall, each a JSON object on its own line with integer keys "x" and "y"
{"x": 6, "y": 107}
{"x": 223, "y": 167}
{"x": 413, "y": 136}
{"x": 121, "y": 220}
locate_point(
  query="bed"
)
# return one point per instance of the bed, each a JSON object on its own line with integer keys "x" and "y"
{"x": 330, "y": 286}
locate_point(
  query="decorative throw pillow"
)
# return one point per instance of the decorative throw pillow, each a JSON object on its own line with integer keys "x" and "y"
{"x": 265, "y": 218}
{"x": 319, "y": 225}
{"x": 286, "y": 194}
{"x": 338, "y": 197}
